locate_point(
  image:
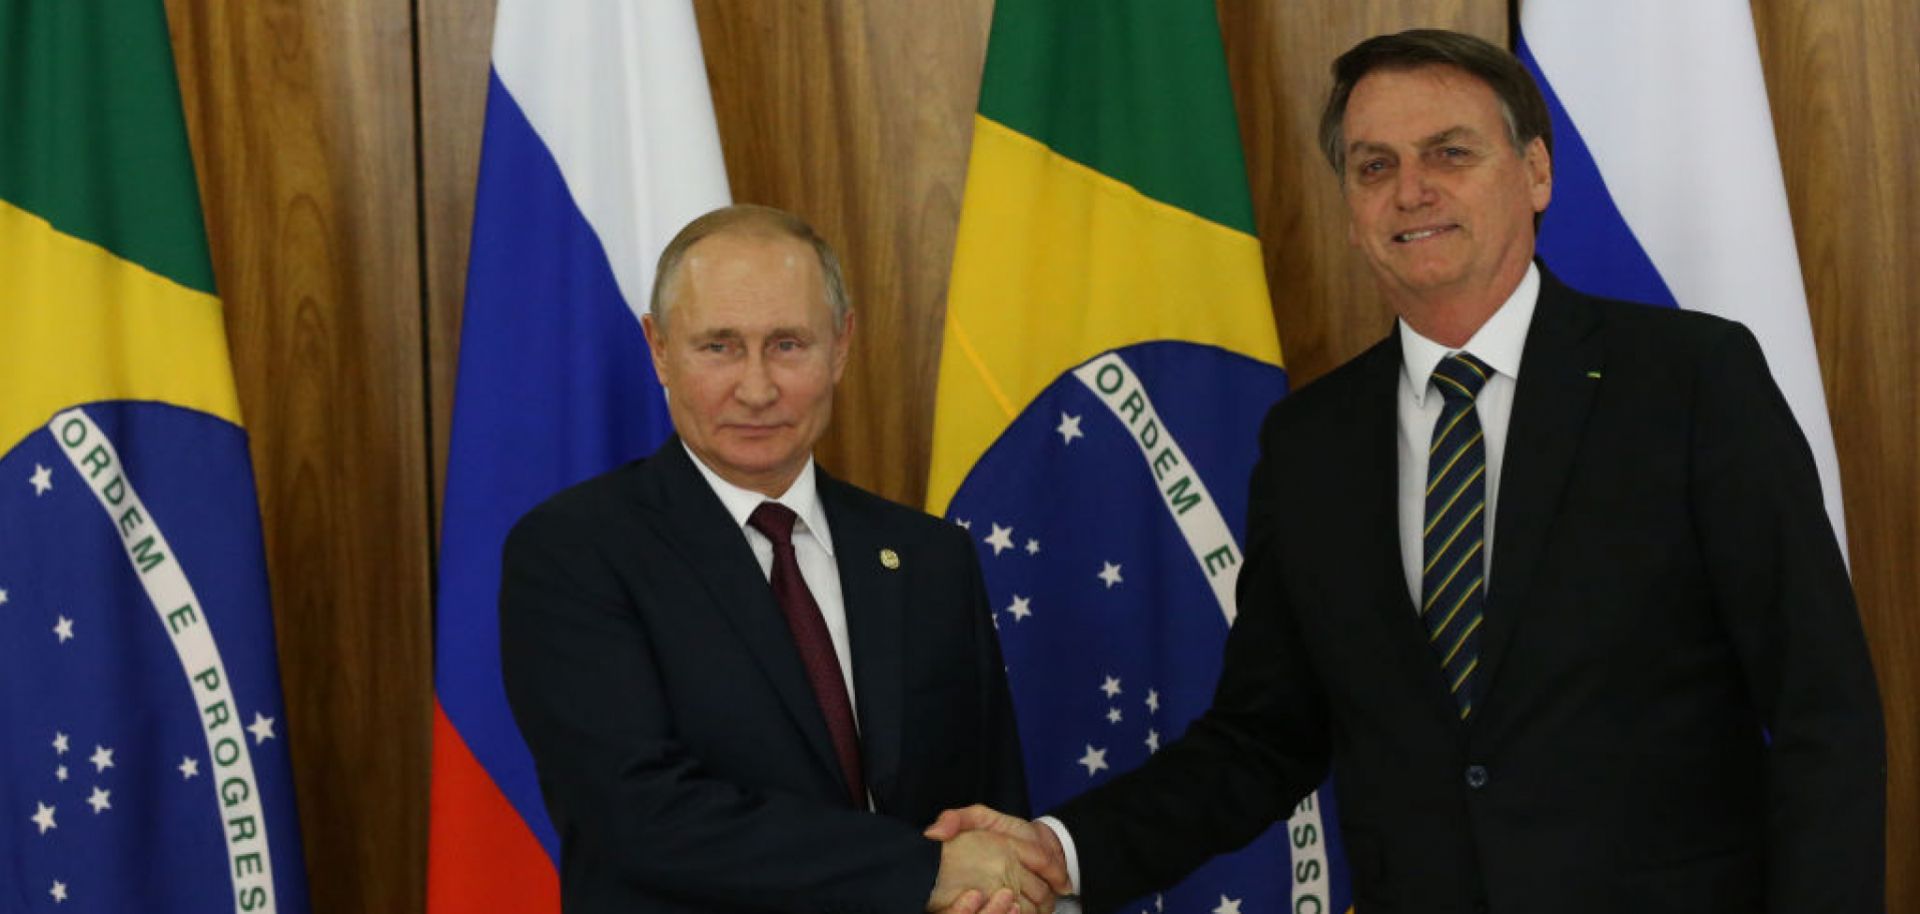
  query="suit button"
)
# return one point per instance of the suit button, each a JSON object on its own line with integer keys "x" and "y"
{"x": 1476, "y": 776}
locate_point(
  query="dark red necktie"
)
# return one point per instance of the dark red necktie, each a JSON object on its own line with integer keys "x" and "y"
{"x": 816, "y": 646}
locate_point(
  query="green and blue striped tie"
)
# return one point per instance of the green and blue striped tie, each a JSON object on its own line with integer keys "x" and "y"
{"x": 1453, "y": 580}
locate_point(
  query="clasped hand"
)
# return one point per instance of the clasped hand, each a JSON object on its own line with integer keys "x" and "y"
{"x": 993, "y": 863}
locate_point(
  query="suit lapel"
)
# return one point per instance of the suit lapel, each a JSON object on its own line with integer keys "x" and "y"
{"x": 695, "y": 521}
{"x": 1375, "y": 464}
{"x": 876, "y": 631}
{"x": 1560, "y": 374}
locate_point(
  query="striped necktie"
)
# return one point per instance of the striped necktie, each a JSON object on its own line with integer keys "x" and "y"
{"x": 1452, "y": 582}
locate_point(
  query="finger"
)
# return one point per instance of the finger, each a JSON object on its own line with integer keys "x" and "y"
{"x": 969, "y": 902}
{"x": 1002, "y": 902}
{"x": 1034, "y": 890}
{"x": 944, "y": 827}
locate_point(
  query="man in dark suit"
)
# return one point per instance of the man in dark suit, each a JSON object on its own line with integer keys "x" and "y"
{"x": 748, "y": 686}
{"x": 1544, "y": 579}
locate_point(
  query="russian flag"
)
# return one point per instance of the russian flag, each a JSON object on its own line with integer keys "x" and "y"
{"x": 1667, "y": 185}
{"x": 599, "y": 145}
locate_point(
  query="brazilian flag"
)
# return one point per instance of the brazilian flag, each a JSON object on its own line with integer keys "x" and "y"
{"x": 1109, "y": 354}
{"x": 143, "y": 742}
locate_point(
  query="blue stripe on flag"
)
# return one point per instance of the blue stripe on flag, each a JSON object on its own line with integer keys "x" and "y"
{"x": 1583, "y": 237}
{"x": 555, "y": 386}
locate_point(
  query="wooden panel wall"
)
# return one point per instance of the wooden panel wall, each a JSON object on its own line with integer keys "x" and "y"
{"x": 302, "y": 121}
{"x": 338, "y": 146}
{"x": 1844, "y": 81}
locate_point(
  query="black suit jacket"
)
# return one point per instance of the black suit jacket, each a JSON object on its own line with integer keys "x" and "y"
{"x": 1675, "y": 707}
{"x": 680, "y": 749}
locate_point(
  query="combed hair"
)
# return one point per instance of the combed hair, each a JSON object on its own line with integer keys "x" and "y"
{"x": 750, "y": 218}
{"x": 1520, "y": 100}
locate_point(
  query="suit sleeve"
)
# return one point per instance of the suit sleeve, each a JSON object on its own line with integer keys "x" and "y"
{"x": 1783, "y": 593}
{"x": 629, "y": 801}
{"x": 1258, "y": 749}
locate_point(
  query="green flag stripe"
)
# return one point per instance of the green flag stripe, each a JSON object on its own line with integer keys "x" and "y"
{"x": 1072, "y": 75}
{"x": 91, "y": 132}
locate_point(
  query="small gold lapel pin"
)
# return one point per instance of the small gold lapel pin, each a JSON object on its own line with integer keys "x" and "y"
{"x": 890, "y": 559}
{"x": 1594, "y": 374}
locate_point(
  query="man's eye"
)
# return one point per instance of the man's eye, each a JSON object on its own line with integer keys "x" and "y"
{"x": 788, "y": 346}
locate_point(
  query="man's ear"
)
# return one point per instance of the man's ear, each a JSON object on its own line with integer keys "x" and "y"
{"x": 1539, "y": 174}
{"x": 656, "y": 346}
{"x": 842, "y": 345}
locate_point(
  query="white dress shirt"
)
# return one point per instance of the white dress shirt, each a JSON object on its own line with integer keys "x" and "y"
{"x": 1499, "y": 343}
{"x": 812, "y": 547}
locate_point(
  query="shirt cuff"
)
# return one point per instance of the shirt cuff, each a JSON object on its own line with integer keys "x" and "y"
{"x": 1066, "y": 846}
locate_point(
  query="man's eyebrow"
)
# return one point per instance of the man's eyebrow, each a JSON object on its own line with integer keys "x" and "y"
{"x": 1451, "y": 134}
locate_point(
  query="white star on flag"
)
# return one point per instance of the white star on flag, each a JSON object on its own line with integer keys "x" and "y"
{"x": 60, "y": 774}
{"x": 1109, "y": 573}
{"x": 1019, "y": 610}
{"x": 963, "y": 523}
{"x": 3, "y": 596}
{"x": 261, "y": 728}
{"x": 1069, "y": 428}
{"x": 1095, "y": 760}
{"x": 1228, "y": 906}
{"x": 1153, "y": 700}
{"x": 42, "y": 480}
{"x": 63, "y": 629}
{"x": 59, "y": 743}
{"x": 1113, "y": 715}
{"x": 102, "y": 758}
{"x": 1111, "y": 686}
{"x": 100, "y": 800}
{"x": 1033, "y": 548}
{"x": 1001, "y": 539}
{"x": 59, "y": 892}
{"x": 189, "y": 767}
{"x": 43, "y": 817}
{"x": 1153, "y": 740}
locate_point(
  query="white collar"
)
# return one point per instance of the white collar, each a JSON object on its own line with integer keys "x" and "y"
{"x": 803, "y": 498}
{"x": 1499, "y": 342}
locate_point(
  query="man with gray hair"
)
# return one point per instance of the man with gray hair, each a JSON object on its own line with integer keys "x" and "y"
{"x": 1650, "y": 692}
{"x": 747, "y": 685}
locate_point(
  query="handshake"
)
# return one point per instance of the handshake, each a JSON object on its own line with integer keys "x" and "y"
{"x": 993, "y": 863}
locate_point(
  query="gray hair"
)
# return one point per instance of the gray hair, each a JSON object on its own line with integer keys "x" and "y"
{"x": 751, "y": 218}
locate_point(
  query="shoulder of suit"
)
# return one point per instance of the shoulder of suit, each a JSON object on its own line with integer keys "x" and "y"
{"x": 898, "y": 519}
{"x": 1643, "y": 325}
{"x": 591, "y": 500}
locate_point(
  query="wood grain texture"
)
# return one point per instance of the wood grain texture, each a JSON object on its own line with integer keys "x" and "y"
{"x": 301, "y": 117}
{"x": 857, "y": 115}
{"x": 455, "y": 38}
{"x": 1844, "y": 83}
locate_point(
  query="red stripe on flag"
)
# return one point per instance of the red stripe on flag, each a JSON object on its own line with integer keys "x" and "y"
{"x": 481, "y": 855}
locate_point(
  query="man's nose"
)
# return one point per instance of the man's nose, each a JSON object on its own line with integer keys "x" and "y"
{"x": 756, "y": 388}
{"x": 1411, "y": 189}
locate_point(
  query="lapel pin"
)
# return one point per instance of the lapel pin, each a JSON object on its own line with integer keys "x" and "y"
{"x": 890, "y": 559}
{"x": 1594, "y": 374}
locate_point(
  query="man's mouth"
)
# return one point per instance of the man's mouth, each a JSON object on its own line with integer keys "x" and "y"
{"x": 1422, "y": 234}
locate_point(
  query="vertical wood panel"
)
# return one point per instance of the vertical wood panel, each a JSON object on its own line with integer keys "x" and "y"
{"x": 858, "y": 116}
{"x": 1844, "y": 82}
{"x": 301, "y": 116}
{"x": 455, "y": 57}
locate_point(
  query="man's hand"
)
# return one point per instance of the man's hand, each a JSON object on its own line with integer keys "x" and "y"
{"x": 976, "y": 863}
{"x": 1039, "y": 848}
